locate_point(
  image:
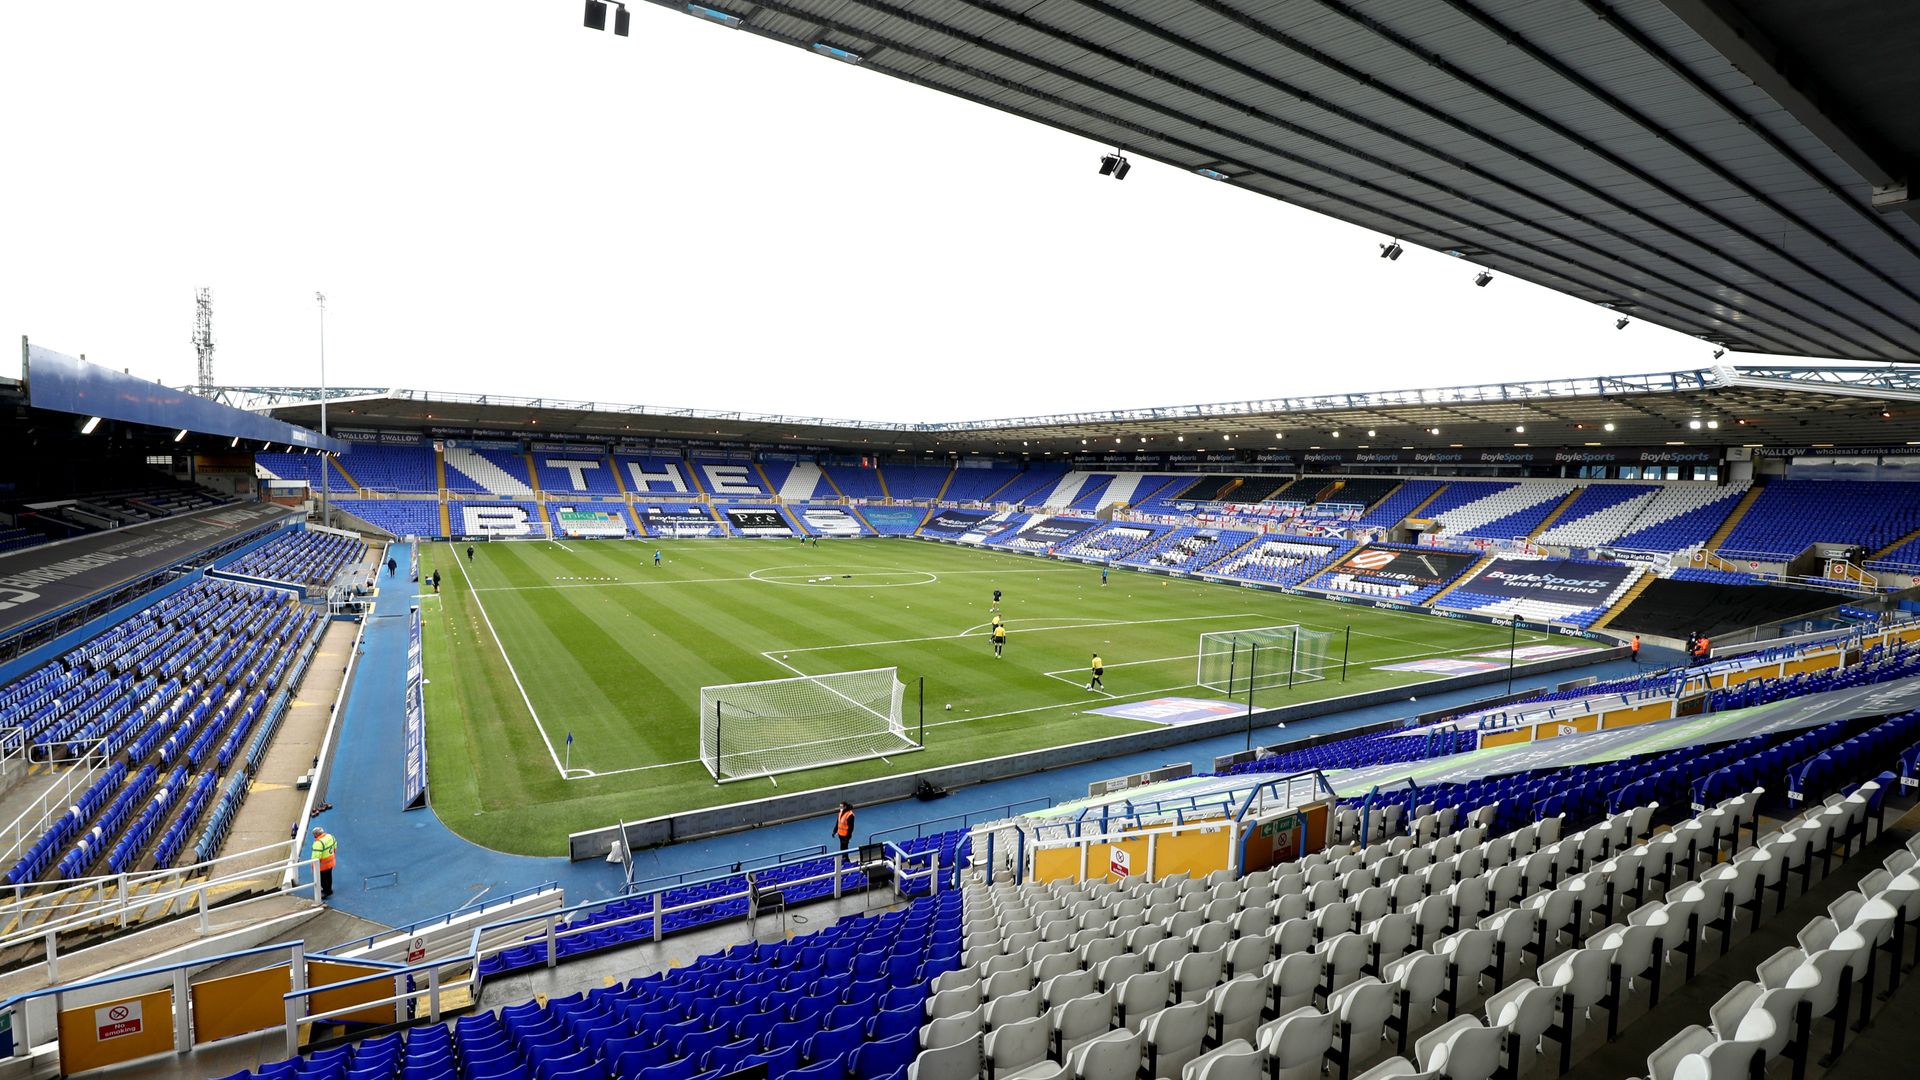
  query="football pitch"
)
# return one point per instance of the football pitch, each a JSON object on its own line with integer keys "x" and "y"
{"x": 535, "y": 641}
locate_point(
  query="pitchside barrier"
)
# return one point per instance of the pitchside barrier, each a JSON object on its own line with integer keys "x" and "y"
{"x": 820, "y": 802}
{"x": 1266, "y": 823}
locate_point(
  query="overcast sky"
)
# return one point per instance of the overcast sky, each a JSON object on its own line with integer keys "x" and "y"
{"x": 495, "y": 199}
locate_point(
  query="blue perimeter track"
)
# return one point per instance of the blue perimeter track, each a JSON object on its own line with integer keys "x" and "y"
{"x": 397, "y": 866}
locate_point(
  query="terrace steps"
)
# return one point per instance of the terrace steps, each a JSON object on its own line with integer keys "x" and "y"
{"x": 1233, "y": 485}
{"x": 878, "y": 475}
{"x": 1733, "y": 517}
{"x": 1472, "y": 572}
{"x": 1896, "y": 545}
{"x": 1626, "y": 598}
{"x": 344, "y": 474}
{"x": 1222, "y": 560}
{"x": 533, "y": 479}
{"x": 1554, "y": 514}
{"x": 1281, "y": 490}
{"x": 944, "y": 485}
{"x": 1424, "y": 503}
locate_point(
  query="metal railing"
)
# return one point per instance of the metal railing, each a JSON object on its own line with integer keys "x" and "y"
{"x": 124, "y": 900}
{"x": 19, "y": 833}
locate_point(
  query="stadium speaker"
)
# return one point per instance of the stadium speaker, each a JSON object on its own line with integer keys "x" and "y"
{"x": 1718, "y": 353}
{"x": 596, "y": 15}
{"x": 1482, "y": 278}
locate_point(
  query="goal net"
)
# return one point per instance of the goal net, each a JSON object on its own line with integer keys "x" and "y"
{"x": 1264, "y": 657}
{"x": 783, "y": 725}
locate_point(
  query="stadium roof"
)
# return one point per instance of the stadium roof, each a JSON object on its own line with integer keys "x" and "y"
{"x": 1738, "y": 175}
{"x": 1777, "y": 406}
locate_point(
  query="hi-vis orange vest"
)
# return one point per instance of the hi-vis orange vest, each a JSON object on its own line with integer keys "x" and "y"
{"x": 844, "y": 826}
{"x": 1702, "y": 648}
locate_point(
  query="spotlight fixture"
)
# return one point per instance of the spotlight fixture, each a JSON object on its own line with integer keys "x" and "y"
{"x": 1608, "y": 426}
{"x": 87, "y": 428}
{"x": 1391, "y": 250}
{"x": 1371, "y": 433}
{"x": 1718, "y": 353}
{"x": 1115, "y": 165}
{"x": 1713, "y": 423}
{"x": 1519, "y": 429}
{"x": 597, "y": 16}
{"x": 1433, "y": 431}
{"x": 1620, "y": 323}
{"x": 1482, "y": 278}
{"x": 235, "y": 442}
{"x": 182, "y": 435}
{"x": 1336, "y": 434}
{"x": 1694, "y": 424}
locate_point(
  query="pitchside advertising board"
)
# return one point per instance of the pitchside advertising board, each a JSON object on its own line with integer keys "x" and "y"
{"x": 681, "y": 521}
{"x": 757, "y": 521}
{"x": 573, "y": 522}
{"x": 415, "y": 772}
{"x": 1557, "y": 581}
{"x": 1413, "y": 567}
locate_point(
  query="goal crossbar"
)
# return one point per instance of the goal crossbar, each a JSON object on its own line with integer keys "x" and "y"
{"x": 1232, "y": 661}
{"x": 774, "y": 726}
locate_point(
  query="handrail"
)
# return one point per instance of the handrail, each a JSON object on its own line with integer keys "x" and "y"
{"x": 445, "y": 918}
{"x": 1004, "y": 810}
{"x": 722, "y": 871}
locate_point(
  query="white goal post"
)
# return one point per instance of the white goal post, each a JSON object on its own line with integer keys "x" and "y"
{"x": 1264, "y": 657}
{"x": 784, "y": 725}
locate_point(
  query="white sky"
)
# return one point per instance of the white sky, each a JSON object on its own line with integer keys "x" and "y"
{"x": 496, "y": 199}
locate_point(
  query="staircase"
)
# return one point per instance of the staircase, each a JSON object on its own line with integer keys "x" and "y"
{"x": 1896, "y": 545}
{"x": 1739, "y": 511}
{"x": 1554, "y": 515}
{"x": 1424, "y": 503}
{"x": 345, "y": 475}
{"x": 1472, "y": 572}
{"x": 1632, "y": 594}
{"x": 944, "y": 485}
{"x": 1327, "y": 492}
{"x": 1233, "y": 485}
{"x": 880, "y": 476}
{"x": 533, "y": 475}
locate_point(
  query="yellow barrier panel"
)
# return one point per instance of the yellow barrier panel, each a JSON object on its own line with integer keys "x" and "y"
{"x": 1506, "y": 738}
{"x": 237, "y": 1004}
{"x": 322, "y": 972}
{"x": 95, "y": 1036}
{"x": 1112, "y": 862}
{"x": 1057, "y": 864}
{"x": 1198, "y": 852}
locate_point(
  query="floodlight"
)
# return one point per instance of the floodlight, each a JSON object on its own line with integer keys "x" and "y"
{"x": 1391, "y": 250}
{"x": 1482, "y": 278}
{"x": 1620, "y": 323}
{"x": 87, "y": 428}
{"x": 596, "y": 15}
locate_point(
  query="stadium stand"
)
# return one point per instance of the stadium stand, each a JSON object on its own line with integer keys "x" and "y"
{"x": 1394, "y": 508}
{"x": 1681, "y": 516}
{"x": 1352, "y": 490}
{"x": 17, "y": 539}
{"x": 1189, "y": 548}
{"x": 1115, "y": 541}
{"x": 496, "y": 519}
{"x": 1793, "y": 515}
{"x": 314, "y": 470}
{"x": 486, "y": 471}
{"x": 300, "y": 557}
{"x": 1583, "y": 615}
{"x": 1719, "y": 577}
{"x": 574, "y": 474}
{"x": 858, "y": 483}
{"x": 181, "y": 683}
{"x": 1284, "y": 562}
{"x": 394, "y": 469}
{"x": 401, "y": 517}
{"x": 1511, "y": 512}
{"x": 1675, "y": 607}
{"x": 1030, "y": 488}
{"x": 911, "y": 482}
{"x": 1599, "y": 514}
{"x": 656, "y": 474}
{"x": 728, "y": 479}
{"x": 1387, "y": 588}
{"x": 978, "y": 484}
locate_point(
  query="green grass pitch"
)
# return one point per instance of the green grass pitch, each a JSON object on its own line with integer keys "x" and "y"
{"x": 533, "y": 640}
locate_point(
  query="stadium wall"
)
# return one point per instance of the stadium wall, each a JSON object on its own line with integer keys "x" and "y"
{"x": 718, "y": 820}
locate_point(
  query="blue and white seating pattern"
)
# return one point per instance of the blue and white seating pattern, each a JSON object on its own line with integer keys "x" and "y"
{"x": 1792, "y": 515}
{"x": 844, "y": 1003}
{"x": 300, "y": 557}
{"x": 1284, "y": 562}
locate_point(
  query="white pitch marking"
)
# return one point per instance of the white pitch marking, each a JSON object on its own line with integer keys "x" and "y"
{"x": 558, "y": 767}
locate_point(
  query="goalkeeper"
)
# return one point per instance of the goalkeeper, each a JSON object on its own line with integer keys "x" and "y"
{"x": 1099, "y": 669}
